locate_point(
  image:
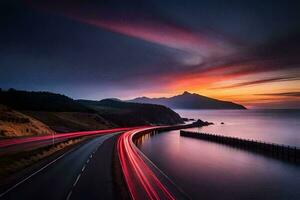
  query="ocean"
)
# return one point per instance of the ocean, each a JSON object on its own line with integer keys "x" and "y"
{"x": 273, "y": 126}
{"x": 207, "y": 170}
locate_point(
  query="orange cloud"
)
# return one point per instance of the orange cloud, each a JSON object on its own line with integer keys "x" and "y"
{"x": 213, "y": 67}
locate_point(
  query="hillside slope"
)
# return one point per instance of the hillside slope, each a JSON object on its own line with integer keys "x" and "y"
{"x": 133, "y": 114}
{"x": 40, "y": 101}
{"x": 71, "y": 121}
{"x": 13, "y": 123}
{"x": 63, "y": 114}
{"x": 59, "y": 112}
{"x": 189, "y": 101}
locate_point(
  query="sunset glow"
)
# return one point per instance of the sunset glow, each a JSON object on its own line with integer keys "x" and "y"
{"x": 149, "y": 99}
{"x": 167, "y": 55}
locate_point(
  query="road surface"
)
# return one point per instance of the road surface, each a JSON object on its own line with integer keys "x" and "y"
{"x": 84, "y": 172}
{"x": 143, "y": 178}
{"x": 18, "y": 141}
{"x": 15, "y": 145}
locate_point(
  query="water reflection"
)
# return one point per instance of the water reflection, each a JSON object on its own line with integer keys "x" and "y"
{"x": 141, "y": 139}
{"x": 206, "y": 170}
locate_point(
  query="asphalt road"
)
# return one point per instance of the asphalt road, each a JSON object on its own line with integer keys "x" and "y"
{"x": 29, "y": 146}
{"x": 82, "y": 173}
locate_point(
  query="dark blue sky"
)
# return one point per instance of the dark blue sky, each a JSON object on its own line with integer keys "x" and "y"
{"x": 97, "y": 49}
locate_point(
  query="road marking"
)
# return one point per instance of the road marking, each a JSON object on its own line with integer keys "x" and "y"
{"x": 69, "y": 195}
{"x": 78, "y": 177}
{"x": 83, "y": 168}
{"x": 47, "y": 165}
{"x": 91, "y": 155}
{"x": 88, "y": 160}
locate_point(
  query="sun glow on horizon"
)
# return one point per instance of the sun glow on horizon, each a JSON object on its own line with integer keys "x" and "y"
{"x": 253, "y": 91}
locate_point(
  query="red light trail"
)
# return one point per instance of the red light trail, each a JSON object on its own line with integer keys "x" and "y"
{"x": 17, "y": 141}
{"x": 141, "y": 180}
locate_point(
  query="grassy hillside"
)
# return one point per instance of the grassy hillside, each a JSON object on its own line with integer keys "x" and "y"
{"x": 59, "y": 112}
{"x": 132, "y": 114}
{"x": 13, "y": 123}
{"x": 63, "y": 114}
{"x": 71, "y": 121}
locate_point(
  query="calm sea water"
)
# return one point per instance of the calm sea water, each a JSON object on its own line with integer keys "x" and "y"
{"x": 277, "y": 126}
{"x": 206, "y": 170}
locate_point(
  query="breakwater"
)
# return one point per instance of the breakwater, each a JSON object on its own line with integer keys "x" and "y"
{"x": 288, "y": 153}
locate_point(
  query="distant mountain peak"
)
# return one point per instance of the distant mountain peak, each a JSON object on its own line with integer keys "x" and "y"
{"x": 188, "y": 100}
{"x": 114, "y": 99}
{"x": 186, "y": 93}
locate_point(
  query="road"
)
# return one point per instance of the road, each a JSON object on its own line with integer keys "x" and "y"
{"x": 15, "y": 145}
{"x": 143, "y": 178}
{"x": 84, "y": 172}
{"x": 18, "y": 141}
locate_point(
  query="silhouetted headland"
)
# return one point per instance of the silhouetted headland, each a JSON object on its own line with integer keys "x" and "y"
{"x": 188, "y": 100}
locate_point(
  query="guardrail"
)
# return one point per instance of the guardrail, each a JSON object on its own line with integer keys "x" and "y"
{"x": 283, "y": 152}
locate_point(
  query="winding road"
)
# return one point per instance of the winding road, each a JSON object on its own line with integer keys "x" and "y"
{"x": 84, "y": 171}
{"x": 20, "y": 141}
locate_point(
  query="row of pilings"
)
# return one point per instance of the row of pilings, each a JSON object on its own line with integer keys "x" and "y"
{"x": 283, "y": 152}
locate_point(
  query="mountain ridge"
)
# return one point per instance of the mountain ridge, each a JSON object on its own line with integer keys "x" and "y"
{"x": 130, "y": 113}
{"x": 188, "y": 100}
{"x": 64, "y": 114}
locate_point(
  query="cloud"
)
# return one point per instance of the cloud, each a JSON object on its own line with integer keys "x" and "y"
{"x": 205, "y": 52}
{"x": 136, "y": 22}
{"x": 196, "y": 57}
{"x": 286, "y": 94}
{"x": 256, "y": 82}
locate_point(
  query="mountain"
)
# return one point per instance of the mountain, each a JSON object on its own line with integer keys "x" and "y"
{"x": 133, "y": 114}
{"x": 63, "y": 114}
{"x": 188, "y": 100}
{"x": 40, "y": 101}
{"x": 59, "y": 112}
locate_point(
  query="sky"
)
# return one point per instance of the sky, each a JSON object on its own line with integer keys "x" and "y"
{"x": 241, "y": 51}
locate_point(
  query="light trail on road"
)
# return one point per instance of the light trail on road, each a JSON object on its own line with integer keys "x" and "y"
{"x": 17, "y": 141}
{"x": 142, "y": 182}
{"x": 65, "y": 176}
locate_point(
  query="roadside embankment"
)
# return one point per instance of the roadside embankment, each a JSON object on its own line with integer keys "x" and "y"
{"x": 12, "y": 163}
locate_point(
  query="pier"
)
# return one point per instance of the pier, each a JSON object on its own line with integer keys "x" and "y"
{"x": 282, "y": 152}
